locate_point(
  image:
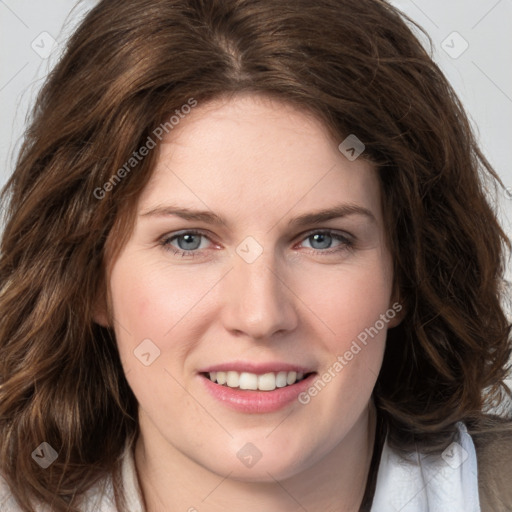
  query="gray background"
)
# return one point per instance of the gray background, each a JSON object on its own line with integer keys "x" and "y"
{"x": 472, "y": 43}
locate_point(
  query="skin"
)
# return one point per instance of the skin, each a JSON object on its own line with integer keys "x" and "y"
{"x": 258, "y": 163}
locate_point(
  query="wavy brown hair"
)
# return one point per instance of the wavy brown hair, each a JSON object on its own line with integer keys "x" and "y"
{"x": 356, "y": 66}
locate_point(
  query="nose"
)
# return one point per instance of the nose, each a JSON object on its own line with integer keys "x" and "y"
{"x": 259, "y": 302}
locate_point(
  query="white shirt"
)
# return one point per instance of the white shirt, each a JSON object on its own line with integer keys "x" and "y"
{"x": 446, "y": 483}
{"x": 418, "y": 483}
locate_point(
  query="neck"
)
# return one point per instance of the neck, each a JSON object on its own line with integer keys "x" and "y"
{"x": 169, "y": 480}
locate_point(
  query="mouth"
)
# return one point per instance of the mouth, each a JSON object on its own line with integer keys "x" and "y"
{"x": 247, "y": 381}
{"x": 256, "y": 387}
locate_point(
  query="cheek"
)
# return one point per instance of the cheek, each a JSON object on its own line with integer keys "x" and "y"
{"x": 163, "y": 304}
{"x": 349, "y": 301}
{"x": 150, "y": 300}
{"x": 149, "y": 304}
{"x": 350, "y": 304}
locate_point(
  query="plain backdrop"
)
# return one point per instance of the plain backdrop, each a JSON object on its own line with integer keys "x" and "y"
{"x": 472, "y": 43}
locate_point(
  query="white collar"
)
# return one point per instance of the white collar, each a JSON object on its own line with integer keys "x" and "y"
{"x": 416, "y": 483}
{"x": 421, "y": 483}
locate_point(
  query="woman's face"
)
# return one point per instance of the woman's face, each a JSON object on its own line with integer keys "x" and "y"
{"x": 254, "y": 290}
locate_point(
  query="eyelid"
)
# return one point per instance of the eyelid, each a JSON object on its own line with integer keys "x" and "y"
{"x": 347, "y": 240}
{"x": 338, "y": 232}
{"x": 300, "y": 236}
{"x": 168, "y": 237}
{"x": 182, "y": 232}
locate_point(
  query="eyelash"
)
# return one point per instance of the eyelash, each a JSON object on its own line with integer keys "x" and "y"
{"x": 346, "y": 243}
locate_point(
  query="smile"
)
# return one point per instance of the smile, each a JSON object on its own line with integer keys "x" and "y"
{"x": 240, "y": 391}
{"x": 251, "y": 381}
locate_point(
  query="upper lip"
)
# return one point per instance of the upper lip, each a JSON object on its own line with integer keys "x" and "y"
{"x": 257, "y": 368}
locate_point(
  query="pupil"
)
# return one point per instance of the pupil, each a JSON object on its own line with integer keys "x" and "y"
{"x": 189, "y": 239}
{"x": 321, "y": 237}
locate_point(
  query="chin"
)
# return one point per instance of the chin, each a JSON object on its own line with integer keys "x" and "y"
{"x": 265, "y": 469}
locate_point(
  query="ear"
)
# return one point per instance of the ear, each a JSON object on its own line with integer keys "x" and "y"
{"x": 100, "y": 317}
{"x": 397, "y": 310}
{"x": 100, "y": 307}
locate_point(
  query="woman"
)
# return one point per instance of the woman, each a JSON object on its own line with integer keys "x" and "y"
{"x": 249, "y": 262}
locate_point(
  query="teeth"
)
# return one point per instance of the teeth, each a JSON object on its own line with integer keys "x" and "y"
{"x": 281, "y": 380}
{"x": 248, "y": 381}
{"x": 251, "y": 381}
{"x": 233, "y": 379}
{"x": 267, "y": 382}
{"x": 291, "y": 377}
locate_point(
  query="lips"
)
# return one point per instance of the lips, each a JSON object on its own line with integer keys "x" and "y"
{"x": 255, "y": 376}
{"x": 253, "y": 387}
{"x": 257, "y": 401}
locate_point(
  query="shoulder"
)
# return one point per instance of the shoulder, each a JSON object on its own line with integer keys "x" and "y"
{"x": 494, "y": 460}
{"x": 98, "y": 498}
{"x": 7, "y": 501}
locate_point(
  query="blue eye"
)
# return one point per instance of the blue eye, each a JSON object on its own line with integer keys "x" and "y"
{"x": 189, "y": 242}
{"x": 325, "y": 238}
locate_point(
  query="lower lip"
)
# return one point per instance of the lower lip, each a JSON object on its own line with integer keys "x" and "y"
{"x": 257, "y": 401}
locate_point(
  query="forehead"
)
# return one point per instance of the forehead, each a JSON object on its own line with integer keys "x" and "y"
{"x": 255, "y": 155}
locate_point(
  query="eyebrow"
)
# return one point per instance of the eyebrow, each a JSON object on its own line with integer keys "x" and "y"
{"x": 312, "y": 218}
